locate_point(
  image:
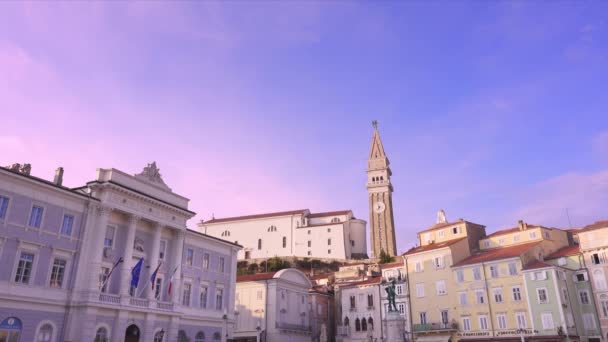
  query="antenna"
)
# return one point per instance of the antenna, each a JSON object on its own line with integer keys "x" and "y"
{"x": 568, "y": 215}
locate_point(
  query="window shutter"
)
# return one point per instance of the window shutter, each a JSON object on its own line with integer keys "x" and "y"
{"x": 532, "y": 276}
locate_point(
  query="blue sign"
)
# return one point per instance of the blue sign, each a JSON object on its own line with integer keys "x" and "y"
{"x": 11, "y": 323}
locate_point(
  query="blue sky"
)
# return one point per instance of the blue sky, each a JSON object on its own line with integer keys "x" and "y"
{"x": 493, "y": 111}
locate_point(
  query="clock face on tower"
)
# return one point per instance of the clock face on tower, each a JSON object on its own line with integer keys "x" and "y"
{"x": 379, "y": 207}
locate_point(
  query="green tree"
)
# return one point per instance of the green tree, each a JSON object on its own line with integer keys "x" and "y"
{"x": 385, "y": 258}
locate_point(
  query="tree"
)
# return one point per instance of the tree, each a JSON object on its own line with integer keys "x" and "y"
{"x": 385, "y": 258}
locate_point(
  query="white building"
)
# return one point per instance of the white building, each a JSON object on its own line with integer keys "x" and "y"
{"x": 360, "y": 318}
{"x": 273, "y": 307}
{"x": 396, "y": 271}
{"x": 298, "y": 233}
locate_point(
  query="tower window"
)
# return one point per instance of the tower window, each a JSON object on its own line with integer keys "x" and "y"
{"x": 259, "y": 243}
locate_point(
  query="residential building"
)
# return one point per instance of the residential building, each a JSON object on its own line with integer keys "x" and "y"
{"x": 299, "y": 233}
{"x": 360, "y": 318}
{"x": 322, "y": 317}
{"x": 396, "y": 271}
{"x": 61, "y": 249}
{"x": 593, "y": 241}
{"x": 273, "y": 307}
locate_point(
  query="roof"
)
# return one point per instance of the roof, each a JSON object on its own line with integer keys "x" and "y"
{"x": 566, "y": 251}
{"x": 368, "y": 281}
{"x": 594, "y": 226}
{"x": 503, "y": 232}
{"x": 256, "y": 216}
{"x": 330, "y": 213}
{"x": 447, "y": 224}
{"x": 255, "y": 277}
{"x": 392, "y": 264}
{"x": 213, "y": 238}
{"x": 321, "y": 276}
{"x": 497, "y": 254}
{"x": 433, "y": 246}
{"x": 536, "y": 264}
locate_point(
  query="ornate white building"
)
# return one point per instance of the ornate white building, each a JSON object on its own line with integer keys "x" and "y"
{"x": 297, "y": 233}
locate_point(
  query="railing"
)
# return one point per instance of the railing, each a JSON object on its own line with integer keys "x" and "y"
{"x": 343, "y": 330}
{"x": 164, "y": 305}
{"x": 290, "y": 326}
{"x": 435, "y": 326}
{"x": 109, "y": 298}
{"x": 138, "y": 302}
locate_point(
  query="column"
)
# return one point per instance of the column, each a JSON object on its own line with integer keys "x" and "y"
{"x": 96, "y": 245}
{"x": 153, "y": 257}
{"x": 125, "y": 268}
{"x": 178, "y": 248}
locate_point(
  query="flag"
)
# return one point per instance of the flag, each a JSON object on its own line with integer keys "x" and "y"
{"x": 171, "y": 280}
{"x": 110, "y": 273}
{"x": 135, "y": 273}
{"x": 153, "y": 277}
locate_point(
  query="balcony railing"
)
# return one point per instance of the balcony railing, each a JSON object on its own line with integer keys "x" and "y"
{"x": 109, "y": 298}
{"x": 435, "y": 327}
{"x": 291, "y": 326}
{"x": 343, "y": 330}
{"x": 143, "y": 303}
{"x": 164, "y": 306}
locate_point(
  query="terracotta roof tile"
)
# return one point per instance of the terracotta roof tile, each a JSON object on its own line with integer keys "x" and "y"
{"x": 447, "y": 224}
{"x": 368, "y": 281}
{"x": 497, "y": 254}
{"x": 256, "y": 216}
{"x": 255, "y": 277}
{"x": 536, "y": 264}
{"x": 392, "y": 264}
{"x": 433, "y": 246}
{"x": 321, "y": 276}
{"x": 594, "y": 226}
{"x": 330, "y": 213}
{"x": 566, "y": 251}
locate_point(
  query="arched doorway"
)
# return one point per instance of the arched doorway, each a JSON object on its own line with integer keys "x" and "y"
{"x": 132, "y": 334}
{"x": 10, "y": 329}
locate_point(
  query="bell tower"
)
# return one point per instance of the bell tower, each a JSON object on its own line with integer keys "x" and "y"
{"x": 380, "y": 190}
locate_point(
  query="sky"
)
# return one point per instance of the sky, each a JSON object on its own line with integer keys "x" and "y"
{"x": 493, "y": 111}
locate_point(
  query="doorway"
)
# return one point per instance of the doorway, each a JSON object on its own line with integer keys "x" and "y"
{"x": 132, "y": 334}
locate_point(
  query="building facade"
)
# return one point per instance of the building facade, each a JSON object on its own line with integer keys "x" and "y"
{"x": 69, "y": 256}
{"x": 298, "y": 233}
{"x": 361, "y": 311}
{"x": 396, "y": 272}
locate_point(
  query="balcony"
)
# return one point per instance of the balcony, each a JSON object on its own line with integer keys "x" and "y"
{"x": 142, "y": 303}
{"x": 164, "y": 306}
{"x": 114, "y": 299}
{"x": 109, "y": 298}
{"x": 343, "y": 330}
{"x": 429, "y": 327}
{"x": 293, "y": 327}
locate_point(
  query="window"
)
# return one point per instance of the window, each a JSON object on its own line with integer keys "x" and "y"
{"x": 259, "y": 294}
{"x": 494, "y": 271}
{"x": 329, "y": 242}
{"x": 440, "y": 286}
{"x": 516, "y": 293}
{"x": 502, "y": 321}
{"x": 329, "y": 230}
{"x": 423, "y": 318}
{"x": 335, "y": 220}
{"x": 109, "y": 239}
{"x": 515, "y": 237}
{"x": 589, "y": 321}
{"x": 309, "y": 253}
{"x": 45, "y": 333}
{"x": 401, "y": 308}
{"x": 444, "y": 317}
{"x": 284, "y": 241}
{"x": 158, "y": 287}
{"x": 370, "y": 301}
{"x": 101, "y": 335}
{"x": 36, "y": 216}
{"x": 480, "y": 299}
{"x": 57, "y": 273}
{"x": 272, "y": 229}
{"x": 162, "y": 249}
{"x": 182, "y": 337}
{"x": 438, "y": 262}
{"x": 357, "y": 324}
{"x": 219, "y": 299}
{"x": 542, "y": 275}
{"x": 206, "y": 261}
{"x": 363, "y": 324}
{"x": 532, "y": 235}
{"x": 346, "y": 322}
{"x": 565, "y": 294}
{"x": 441, "y": 233}
{"x": 483, "y": 322}
{"x": 202, "y": 300}
{"x": 476, "y": 273}
{"x": 259, "y": 244}
{"x": 418, "y": 266}
{"x": 200, "y": 337}
{"x": 460, "y": 276}
{"x": 466, "y": 324}
{"x": 217, "y": 336}
{"x": 158, "y": 336}
{"x": 3, "y": 207}
{"x": 497, "y": 295}
{"x": 580, "y": 277}
{"x": 370, "y": 322}
{"x": 24, "y": 268}
{"x": 220, "y": 266}
{"x": 186, "y": 294}
{"x": 66, "y": 226}
{"x": 399, "y": 289}
{"x": 512, "y": 268}
{"x": 189, "y": 256}
{"x": 419, "y": 290}
{"x": 547, "y": 235}
{"x": 352, "y": 302}
{"x": 542, "y": 295}
{"x": 103, "y": 278}
{"x": 604, "y": 304}
{"x": 329, "y": 251}
{"x": 599, "y": 279}
{"x": 309, "y": 243}
{"x": 520, "y": 317}
{"x": 455, "y": 230}
{"x": 352, "y": 243}
{"x": 501, "y": 241}
{"x": 309, "y": 232}
{"x": 462, "y": 298}
{"x": 584, "y": 296}
{"x": 547, "y": 320}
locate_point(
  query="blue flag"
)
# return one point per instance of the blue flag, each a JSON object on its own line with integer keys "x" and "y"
{"x": 135, "y": 273}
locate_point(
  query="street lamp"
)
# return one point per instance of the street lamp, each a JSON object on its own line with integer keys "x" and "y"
{"x": 521, "y": 331}
{"x": 258, "y": 328}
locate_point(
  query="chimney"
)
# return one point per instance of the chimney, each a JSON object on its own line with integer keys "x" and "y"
{"x": 520, "y": 223}
{"x": 441, "y": 216}
{"x": 58, "y": 176}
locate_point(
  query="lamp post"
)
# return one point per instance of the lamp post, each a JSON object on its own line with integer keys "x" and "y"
{"x": 521, "y": 334}
{"x": 258, "y": 328}
{"x": 225, "y": 318}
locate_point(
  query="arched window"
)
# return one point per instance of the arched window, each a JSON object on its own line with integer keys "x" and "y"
{"x": 357, "y": 325}
{"x": 370, "y": 322}
{"x": 45, "y": 334}
{"x": 217, "y": 336}
{"x": 284, "y": 241}
{"x": 158, "y": 337}
{"x": 272, "y": 228}
{"x": 346, "y": 321}
{"x": 259, "y": 243}
{"x": 364, "y": 325}
{"x": 101, "y": 335}
{"x": 335, "y": 220}
{"x": 182, "y": 337}
{"x": 200, "y": 337}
